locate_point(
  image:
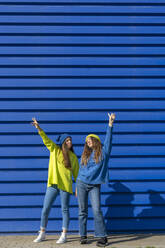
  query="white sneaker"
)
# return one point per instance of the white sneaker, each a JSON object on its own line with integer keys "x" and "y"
{"x": 62, "y": 239}
{"x": 40, "y": 237}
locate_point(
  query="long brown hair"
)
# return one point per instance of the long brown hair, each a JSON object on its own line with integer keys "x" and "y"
{"x": 97, "y": 147}
{"x": 65, "y": 152}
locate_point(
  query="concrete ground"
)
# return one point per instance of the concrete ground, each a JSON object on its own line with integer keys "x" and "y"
{"x": 115, "y": 241}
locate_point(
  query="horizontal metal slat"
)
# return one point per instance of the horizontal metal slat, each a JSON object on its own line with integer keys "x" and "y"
{"x": 127, "y": 174}
{"x": 88, "y": 94}
{"x": 118, "y": 139}
{"x": 65, "y": 19}
{"x": 81, "y": 82}
{"x": 30, "y": 163}
{"x": 24, "y": 188}
{"x": 72, "y": 61}
{"x": 52, "y": 28}
{"x": 124, "y": 128}
{"x": 83, "y": 9}
{"x": 78, "y": 105}
{"x": 111, "y": 212}
{"x": 70, "y": 116}
{"x": 119, "y": 151}
{"x": 81, "y": 40}
{"x": 115, "y": 199}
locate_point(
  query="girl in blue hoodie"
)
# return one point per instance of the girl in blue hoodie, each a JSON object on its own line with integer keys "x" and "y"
{"x": 93, "y": 172}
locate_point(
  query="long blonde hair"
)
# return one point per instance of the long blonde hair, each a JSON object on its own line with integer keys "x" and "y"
{"x": 97, "y": 147}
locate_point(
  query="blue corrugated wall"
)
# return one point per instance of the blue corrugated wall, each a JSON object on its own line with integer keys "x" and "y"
{"x": 68, "y": 63}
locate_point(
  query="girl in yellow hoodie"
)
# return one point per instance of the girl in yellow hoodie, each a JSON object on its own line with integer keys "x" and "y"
{"x": 63, "y": 163}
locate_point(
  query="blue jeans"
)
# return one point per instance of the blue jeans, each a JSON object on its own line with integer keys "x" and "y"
{"x": 93, "y": 190}
{"x": 50, "y": 196}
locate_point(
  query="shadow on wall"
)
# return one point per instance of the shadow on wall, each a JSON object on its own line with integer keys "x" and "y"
{"x": 156, "y": 210}
{"x": 125, "y": 212}
{"x": 119, "y": 199}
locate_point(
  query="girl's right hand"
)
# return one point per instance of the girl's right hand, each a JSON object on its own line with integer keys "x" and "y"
{"x": 76, "y": 192}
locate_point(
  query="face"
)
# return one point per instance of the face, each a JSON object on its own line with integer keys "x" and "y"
{"x": 68, "y": 142}
{"x": 89, "y": 142}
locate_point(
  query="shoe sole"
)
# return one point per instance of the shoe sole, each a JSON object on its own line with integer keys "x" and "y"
{"x": 38, "y": 241}
{"x": 102, "y": 245}
{"x": 83, "y": 243}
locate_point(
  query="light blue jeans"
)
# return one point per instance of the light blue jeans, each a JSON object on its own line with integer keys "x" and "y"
{"x": 50, "y": 196}
{"x": 83, "y": 190}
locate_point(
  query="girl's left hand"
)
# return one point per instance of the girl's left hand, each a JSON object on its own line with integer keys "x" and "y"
{"x": 111, "y": 119}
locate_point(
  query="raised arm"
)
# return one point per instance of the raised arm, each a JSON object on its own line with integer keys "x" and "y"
{"x": 108, "y": 138}
{"x": 48, "y": 142}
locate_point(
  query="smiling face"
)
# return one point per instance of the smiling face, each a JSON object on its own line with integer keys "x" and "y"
{"x": 68, "y": 142}
{"x": 89, "y": 142}
{"x": 92, "y": 145}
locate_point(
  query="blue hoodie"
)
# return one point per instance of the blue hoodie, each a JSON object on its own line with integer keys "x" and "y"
{"x": 93, "y": 173}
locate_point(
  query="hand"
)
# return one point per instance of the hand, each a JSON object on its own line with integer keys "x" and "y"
{"x": 35, "y": 123}
{"x": 76, "y": 192}
{"x": 111, "y": 119}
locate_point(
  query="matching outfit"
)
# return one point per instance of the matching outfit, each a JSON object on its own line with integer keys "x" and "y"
{"x": 89, "y": 179}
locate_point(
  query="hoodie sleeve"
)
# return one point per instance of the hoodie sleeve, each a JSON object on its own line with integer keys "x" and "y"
{"x": 48, "y": 142}
{"x": 108, "y": 141}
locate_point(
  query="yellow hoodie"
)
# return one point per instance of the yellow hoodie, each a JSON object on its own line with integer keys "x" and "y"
{"x": 57, "y": 173}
